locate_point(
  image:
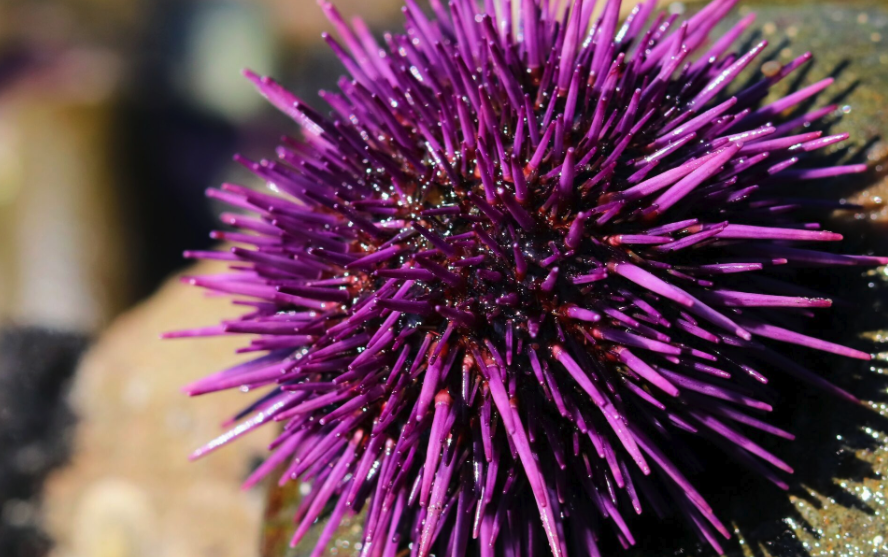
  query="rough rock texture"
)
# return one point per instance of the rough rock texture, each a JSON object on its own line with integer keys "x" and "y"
{"x": 130, "y": 490}
{"x": 35, "y": 426}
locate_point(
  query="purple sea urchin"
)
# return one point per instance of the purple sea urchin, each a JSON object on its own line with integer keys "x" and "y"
{"x": 518, "y": 263}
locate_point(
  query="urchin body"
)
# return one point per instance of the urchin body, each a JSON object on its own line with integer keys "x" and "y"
{"x": 514, "y": 265}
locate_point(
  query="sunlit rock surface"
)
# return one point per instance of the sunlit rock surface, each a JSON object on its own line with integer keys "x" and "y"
{"x": 130, "y": 490}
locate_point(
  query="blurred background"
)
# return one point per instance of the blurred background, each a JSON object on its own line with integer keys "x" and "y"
{"x": 115, "y": 116}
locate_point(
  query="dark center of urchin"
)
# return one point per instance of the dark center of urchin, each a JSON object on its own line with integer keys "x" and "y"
{"x": 488, "y": 265}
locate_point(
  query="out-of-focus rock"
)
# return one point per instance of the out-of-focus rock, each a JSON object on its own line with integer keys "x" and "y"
{"x": 130, "y": 490}
{"x": 36, "y": 365}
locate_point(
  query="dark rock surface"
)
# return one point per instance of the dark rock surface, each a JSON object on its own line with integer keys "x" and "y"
{"x": 35, "y": 426}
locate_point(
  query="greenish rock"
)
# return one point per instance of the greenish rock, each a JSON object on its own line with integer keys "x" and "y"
{"x": 838, "y": 505}
{"x": 278, "y": 526}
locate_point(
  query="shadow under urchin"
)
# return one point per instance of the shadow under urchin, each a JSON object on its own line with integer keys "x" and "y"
{"x": 521, "y": 270}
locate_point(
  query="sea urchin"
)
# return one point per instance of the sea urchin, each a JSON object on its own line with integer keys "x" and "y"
{"x": 526, "y": 254}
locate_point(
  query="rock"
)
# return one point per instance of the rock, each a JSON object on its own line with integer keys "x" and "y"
{"x": 130, "y": 490}
{"x": 837, "y": 505}
{"x": 36, "y": 365}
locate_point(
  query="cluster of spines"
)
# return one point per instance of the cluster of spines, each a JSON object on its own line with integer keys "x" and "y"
{"x": 521, "y": 257}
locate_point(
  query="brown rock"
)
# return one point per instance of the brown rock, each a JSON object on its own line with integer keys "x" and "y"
{"x": 130, "y": 490}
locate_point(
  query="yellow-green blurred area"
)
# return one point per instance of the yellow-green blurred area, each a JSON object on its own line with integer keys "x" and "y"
{"x": 115, "y": 115}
